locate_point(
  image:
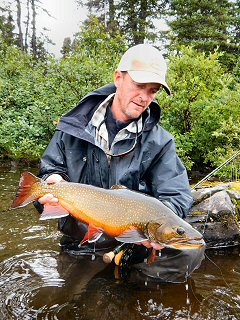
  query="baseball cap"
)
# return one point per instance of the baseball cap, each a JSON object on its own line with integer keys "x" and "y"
{"x": 145, "y": 64}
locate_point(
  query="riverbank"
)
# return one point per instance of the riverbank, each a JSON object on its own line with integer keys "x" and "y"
{"x": 216, "y": 214}
{"x": 18, "y": 164}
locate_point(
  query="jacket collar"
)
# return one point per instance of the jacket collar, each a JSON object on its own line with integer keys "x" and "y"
{"x": 75, "y": 121}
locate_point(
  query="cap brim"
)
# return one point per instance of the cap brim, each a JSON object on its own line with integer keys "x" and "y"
{"x": 149, "y": 77}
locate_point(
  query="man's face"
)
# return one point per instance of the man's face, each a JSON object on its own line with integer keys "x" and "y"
{"x": 132, "y": 98}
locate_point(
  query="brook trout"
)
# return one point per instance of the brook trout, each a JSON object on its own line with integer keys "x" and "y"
{"x": 127, "y": 215}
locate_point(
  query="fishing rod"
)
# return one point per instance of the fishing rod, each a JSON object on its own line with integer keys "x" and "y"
{"x": 109, "y": 256}
{"x": 215, "y": 170}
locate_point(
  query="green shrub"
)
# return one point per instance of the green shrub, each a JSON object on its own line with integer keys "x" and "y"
{"x": 203, "y": 112}
{"x": 34, "y": 95}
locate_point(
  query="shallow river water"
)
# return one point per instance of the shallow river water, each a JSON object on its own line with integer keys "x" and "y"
{"x": 38, "y": 281}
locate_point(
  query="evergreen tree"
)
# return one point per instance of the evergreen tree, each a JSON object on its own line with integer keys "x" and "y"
{"x": 134, "y": 18}
{"x": 104, "y": 10}
{"x": 26, "y": 36}
{"x": 66, "y": 47}
{"x": 235, "y": 26}
{"x": 7, "y": 28}
{"x": 204, "y": 24}
{"x": 236, "y": 39}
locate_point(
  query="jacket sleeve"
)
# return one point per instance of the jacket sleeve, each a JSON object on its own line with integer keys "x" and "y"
{"x": 169, "y": 180}
{"x": 53, "y": 159}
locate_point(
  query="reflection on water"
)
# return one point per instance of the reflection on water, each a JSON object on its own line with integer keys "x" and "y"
{"x": 38, "y": 281}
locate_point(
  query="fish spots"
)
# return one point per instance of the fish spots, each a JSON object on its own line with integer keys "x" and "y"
{"x": 114, "y": 211}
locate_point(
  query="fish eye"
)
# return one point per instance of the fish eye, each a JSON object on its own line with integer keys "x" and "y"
{"x": 180, "y": 231}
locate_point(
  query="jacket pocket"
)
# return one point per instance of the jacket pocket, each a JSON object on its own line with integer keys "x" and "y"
{"x": 94, "y": 169}
{"x": 76, "y": 164}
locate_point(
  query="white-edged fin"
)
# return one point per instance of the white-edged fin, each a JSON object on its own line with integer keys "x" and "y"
{"x": 92, "y": 235}
{"x": 95, "y": 237}
{"x": 131, "y": 236}
{"x": 53, "y": 212}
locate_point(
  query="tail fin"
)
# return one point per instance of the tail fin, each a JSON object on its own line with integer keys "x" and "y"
{"x": 25, "y": 193}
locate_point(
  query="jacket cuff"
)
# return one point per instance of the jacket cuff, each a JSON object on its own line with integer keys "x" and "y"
{"x": 38, "y": 206}
{"x": 170, "y": 206}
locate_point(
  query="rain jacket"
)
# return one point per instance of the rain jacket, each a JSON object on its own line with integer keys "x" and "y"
{"x": 153, "y": 166}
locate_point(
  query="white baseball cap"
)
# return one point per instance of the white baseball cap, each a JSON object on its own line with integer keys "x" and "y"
{"x": 145, "y": 64}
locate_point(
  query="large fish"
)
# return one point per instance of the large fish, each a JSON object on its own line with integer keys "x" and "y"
{"x": 127, "y": 215}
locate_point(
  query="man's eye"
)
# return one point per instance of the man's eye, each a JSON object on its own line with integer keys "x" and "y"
{"x": 140, "y": 86}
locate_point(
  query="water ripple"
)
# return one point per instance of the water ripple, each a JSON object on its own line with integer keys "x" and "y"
{"x": 21, "y": 279}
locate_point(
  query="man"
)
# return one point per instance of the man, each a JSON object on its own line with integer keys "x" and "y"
{"x": 113, "y": 137}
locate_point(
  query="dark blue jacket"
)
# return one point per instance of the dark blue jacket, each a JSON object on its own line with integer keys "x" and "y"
{"x": 153, "y": 167}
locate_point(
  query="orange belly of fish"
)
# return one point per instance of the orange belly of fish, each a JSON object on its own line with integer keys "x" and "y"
{"x": 111, "y": 229}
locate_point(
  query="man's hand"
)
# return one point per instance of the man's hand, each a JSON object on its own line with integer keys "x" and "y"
{"x": 49, "y": 198}
{"x": 148, "y": 243}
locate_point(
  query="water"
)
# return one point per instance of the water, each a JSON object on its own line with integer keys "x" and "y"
{"x": 38, "y": 281}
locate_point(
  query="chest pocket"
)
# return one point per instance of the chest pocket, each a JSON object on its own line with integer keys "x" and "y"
{"x": 76, "y": 159}
{"x": 97, "y": 171}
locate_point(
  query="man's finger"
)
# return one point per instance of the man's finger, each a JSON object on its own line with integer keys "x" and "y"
{"x": 48, "y": 198}
{"x": 156, "y": 246}
{"x": 54, "y": 178}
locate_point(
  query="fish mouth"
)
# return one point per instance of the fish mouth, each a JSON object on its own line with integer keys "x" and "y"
{"x": 187, "y": 243}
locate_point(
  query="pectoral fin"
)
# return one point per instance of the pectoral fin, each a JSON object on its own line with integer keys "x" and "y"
{"x": 131, "y": 236}
{"x": 53, "y": 212}
{"x": 92, "y": 235}
{"x": 152, "y": 257}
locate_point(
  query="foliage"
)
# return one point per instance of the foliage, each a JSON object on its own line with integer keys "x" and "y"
{"x": 134, "y": 18}
{"x": 66, "y": 47}
{"x": 197, "y": 22}
{"x": 7, "y": 27}
{"x": 34, "y": 95}
{"x": 206, "y": 26}
{"x": 18, "y": 26}
{"x": 231, "y": 54}
{"x": 235, "y": 25}
{"x": 203, "y": 111}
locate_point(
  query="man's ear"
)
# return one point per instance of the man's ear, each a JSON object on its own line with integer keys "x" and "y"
{"x": 118, "y": 76}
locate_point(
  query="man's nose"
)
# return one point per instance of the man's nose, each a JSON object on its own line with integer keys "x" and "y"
{"x": 144, "y": 96}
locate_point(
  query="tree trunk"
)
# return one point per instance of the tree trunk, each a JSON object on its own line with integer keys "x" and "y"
{"x": 111, "y": 10}
{"x": 141, "y": 21}
{"x": 20, "y": 35}
{"x": 27, "y": 26}
{"x": 34, "y": 37}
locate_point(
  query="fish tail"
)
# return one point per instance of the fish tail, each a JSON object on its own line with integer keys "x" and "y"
{"x": 25, "y": 193}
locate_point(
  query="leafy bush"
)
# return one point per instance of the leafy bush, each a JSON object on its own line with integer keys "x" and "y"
{"x": 203, "y": 112}
{"x": 34, "y": 95}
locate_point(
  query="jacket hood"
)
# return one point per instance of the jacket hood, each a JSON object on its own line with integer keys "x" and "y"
{"x": 77, "y": 118}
